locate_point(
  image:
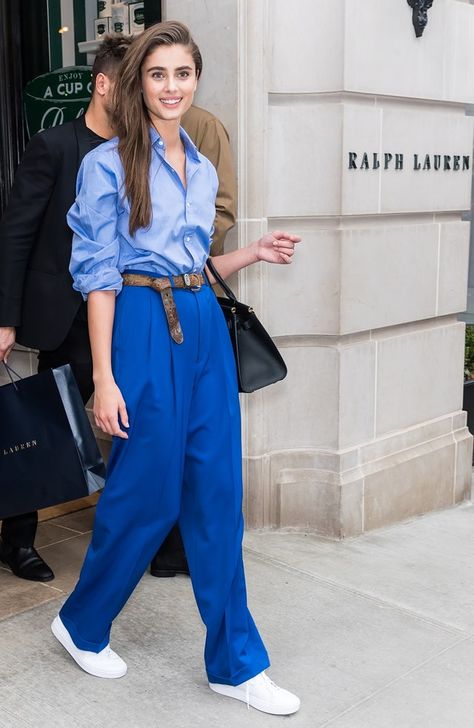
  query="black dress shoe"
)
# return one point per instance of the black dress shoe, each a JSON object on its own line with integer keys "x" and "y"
{"x": 169, "y": 565}
{"x": 25, "y": 562}
{"x": 170, "y": 559}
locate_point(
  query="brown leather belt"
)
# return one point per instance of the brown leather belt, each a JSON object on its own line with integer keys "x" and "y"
{"x": 164, "y": 286}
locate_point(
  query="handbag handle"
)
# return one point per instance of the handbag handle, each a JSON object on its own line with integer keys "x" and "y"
{"x": 227, "y": 290}
{"x": 9, "y": 372}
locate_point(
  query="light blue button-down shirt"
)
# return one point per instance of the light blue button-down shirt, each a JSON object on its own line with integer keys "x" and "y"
{"x": 179, "y": 237}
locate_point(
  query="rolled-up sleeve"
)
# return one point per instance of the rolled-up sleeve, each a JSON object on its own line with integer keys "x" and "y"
{"x": 93, "y": 221}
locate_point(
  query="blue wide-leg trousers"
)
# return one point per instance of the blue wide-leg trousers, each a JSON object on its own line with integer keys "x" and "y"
{"x": 181, "y": 462}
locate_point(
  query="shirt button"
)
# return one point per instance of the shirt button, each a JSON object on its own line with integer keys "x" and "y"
{"x": 187, "y": 238}
{"x": 160, "y": 143}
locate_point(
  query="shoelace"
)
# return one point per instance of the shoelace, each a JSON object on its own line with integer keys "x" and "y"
{"x": 268, "y": 683}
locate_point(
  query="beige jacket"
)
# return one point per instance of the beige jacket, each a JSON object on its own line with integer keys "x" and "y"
{"x": 212, "y": 140}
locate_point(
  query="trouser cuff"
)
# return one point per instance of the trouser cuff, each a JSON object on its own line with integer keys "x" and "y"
{"x": 246, "y": 673}
{"x": 81, "y": 643}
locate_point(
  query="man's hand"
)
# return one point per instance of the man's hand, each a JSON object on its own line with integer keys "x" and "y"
{"x": 7, "y": 341}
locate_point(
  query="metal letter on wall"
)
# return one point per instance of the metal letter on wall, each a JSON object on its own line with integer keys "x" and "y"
{"x": 420, "y": 14}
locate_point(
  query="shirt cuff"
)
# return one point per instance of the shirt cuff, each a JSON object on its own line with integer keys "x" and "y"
{"x": 104, "y": 280}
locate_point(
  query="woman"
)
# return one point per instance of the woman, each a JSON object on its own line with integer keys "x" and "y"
{"x": 164, "y": 373}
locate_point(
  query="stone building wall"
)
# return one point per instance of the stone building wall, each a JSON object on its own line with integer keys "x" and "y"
{"x": 367, "y": 429}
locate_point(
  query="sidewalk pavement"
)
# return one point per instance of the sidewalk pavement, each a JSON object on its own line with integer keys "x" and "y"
{"x": 375, "y": 632}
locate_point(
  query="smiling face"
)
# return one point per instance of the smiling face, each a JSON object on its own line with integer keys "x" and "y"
{"x": 168, "y": 83}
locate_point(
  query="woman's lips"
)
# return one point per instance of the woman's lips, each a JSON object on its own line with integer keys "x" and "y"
{"x": 171, "y": 102}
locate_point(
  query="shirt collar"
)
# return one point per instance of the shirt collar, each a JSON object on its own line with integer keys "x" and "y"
{"x": 189, "y": 146}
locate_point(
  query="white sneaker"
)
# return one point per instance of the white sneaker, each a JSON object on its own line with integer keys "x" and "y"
{"x": 261, "y": 693}
{"x": 101, "y": 664}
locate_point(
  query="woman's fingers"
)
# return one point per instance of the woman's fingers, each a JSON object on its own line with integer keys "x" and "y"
{"x": 123, "y": 414}
{"x": 285, "y": 258}
{"x": 114, "y": 427}
{"x": 284, "y": 245}
{"x": 285, "y": 252}
{"x": 280, "y": 236}
{"x": 288, "y": 248}
{"x": 101, "y": 424}
{"x": 110, "y": 425}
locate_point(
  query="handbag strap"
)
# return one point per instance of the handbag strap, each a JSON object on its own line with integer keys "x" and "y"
{"x": 11, "y": 371}
{"x": 227, "y": 290}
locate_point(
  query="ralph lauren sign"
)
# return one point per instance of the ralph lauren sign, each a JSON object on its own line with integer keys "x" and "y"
{"x": 417, "y": 162}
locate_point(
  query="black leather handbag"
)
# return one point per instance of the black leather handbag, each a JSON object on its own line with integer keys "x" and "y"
{"x": 259, "y": 363}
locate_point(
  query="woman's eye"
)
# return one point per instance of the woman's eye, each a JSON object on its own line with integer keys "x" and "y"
{"x": 183, "y": 74}
{"x": 157, "y": 74}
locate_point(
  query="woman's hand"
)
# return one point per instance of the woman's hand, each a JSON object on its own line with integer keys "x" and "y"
{"x": 109, "y": 405}
{"x": 276, "y": 247}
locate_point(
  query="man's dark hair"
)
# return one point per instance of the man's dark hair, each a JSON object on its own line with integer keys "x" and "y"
{"x": 110, "y": 55}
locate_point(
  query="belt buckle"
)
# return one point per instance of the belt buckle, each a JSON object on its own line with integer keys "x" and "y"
{"x": 187, "y": 283}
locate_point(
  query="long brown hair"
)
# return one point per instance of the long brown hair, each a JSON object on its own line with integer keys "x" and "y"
{"x": 131, "y": 119}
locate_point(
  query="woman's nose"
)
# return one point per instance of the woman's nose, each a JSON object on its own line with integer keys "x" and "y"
{"x": 171, "y": 84}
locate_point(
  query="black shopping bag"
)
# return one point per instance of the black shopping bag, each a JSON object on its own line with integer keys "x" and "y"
{"x": 48, "y": 453}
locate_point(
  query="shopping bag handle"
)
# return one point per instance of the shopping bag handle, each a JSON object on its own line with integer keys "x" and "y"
{"x": 9, "y": 372}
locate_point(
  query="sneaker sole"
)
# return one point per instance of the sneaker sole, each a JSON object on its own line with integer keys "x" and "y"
{"x": 264, "y": 707}
{"x": 58, "y": 631}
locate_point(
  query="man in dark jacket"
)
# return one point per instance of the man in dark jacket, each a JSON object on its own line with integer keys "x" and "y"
{"x": 38, "y": 306}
